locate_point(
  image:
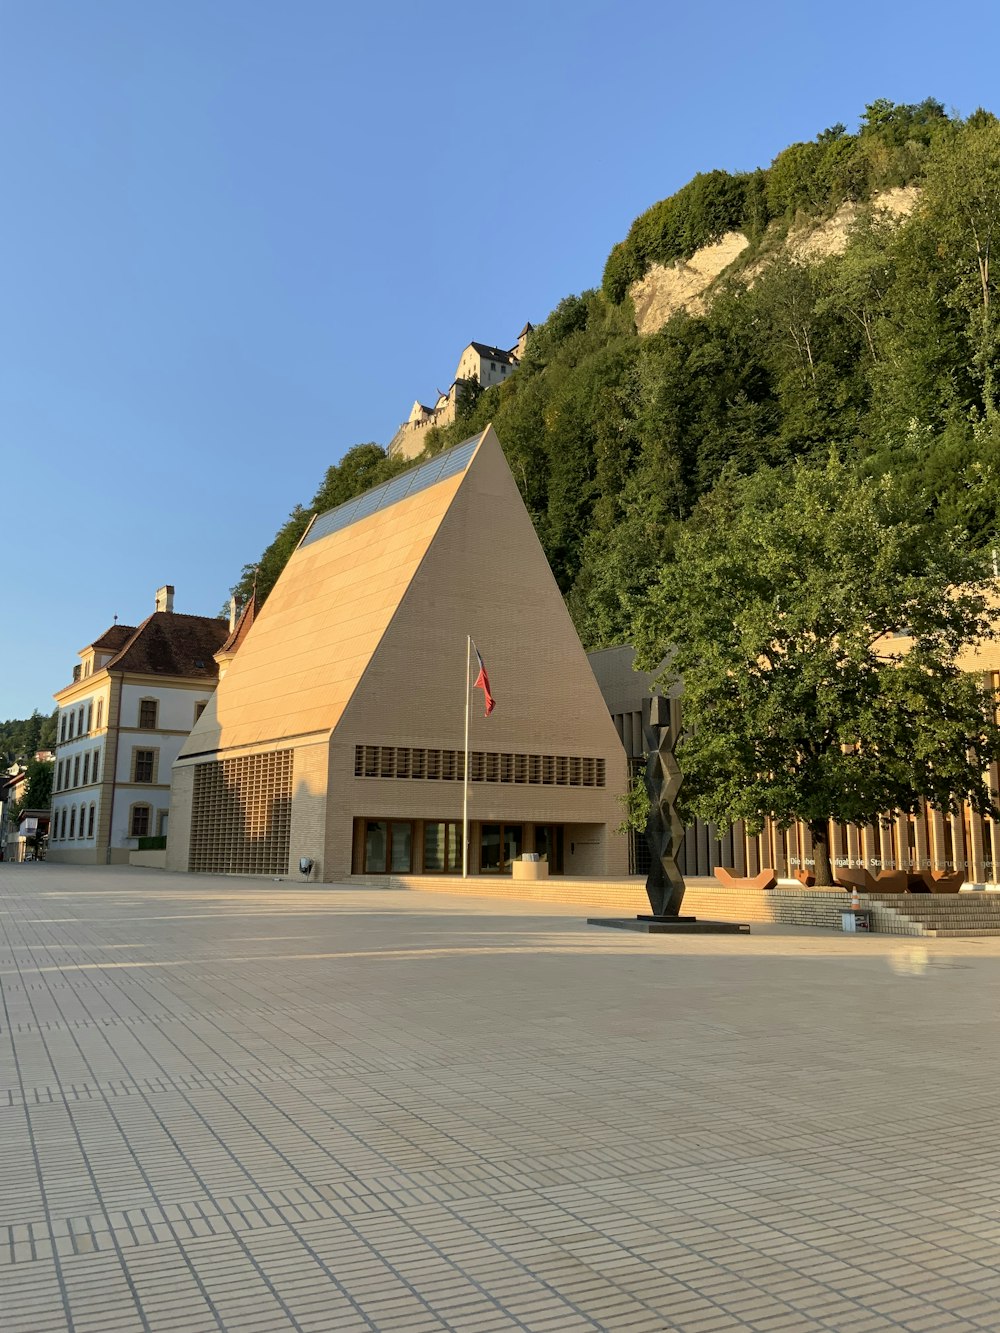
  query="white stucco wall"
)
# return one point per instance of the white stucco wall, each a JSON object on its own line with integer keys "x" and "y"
{"x": 175, "y": 718}
{"x": 88, "y": 746}
{"x": 176, "y": 704}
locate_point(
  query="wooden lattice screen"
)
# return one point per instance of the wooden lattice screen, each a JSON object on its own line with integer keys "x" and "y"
{"x": 242, "y": 815}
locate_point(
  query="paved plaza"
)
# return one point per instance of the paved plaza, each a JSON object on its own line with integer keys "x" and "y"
{"x": 227, "y": 1104}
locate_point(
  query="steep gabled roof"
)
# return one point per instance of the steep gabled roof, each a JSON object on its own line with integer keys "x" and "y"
{"x": 113, "y": 639}
{"x": 363, "y": 637}
{"x": 315, "y": 635}
{"x": 241, "y": 629}
{"x": 168, "y": 643}
{"x": 494, "y": 353}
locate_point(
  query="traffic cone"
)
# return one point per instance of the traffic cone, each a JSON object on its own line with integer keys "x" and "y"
{"x": 855, "y": 899}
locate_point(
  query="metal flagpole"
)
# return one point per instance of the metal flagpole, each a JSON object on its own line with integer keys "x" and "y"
{"x": 465, "y": 782}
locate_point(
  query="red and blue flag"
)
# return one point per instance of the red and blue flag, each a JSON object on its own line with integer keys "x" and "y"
{"x": 483, "y": 683}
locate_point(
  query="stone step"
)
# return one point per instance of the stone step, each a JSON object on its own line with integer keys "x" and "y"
{"x": 950, "y": 919}
{"x": 949, "y": 916}
{"x": 963, "y": 932}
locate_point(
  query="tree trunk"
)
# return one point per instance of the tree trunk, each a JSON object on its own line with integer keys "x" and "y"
{"x": 820, "y": 831}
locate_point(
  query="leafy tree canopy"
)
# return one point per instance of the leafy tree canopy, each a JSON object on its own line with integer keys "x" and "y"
{"x": 815, "y": 618}
{"x": 38, "y": 791}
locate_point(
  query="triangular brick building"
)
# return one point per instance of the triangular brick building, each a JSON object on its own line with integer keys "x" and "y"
{"x": 337, "y": 732}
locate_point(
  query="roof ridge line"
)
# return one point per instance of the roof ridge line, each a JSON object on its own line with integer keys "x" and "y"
{"x": 428, "y": 473}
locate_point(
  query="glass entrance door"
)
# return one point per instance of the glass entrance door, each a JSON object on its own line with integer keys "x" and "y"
{"x": 545, "y": 843}
{"x": 489, "y": 849}
{"x": 499, "y": 846}
{"x": 442, "y": 847}
{"x": 401, "y": 847}
{"x": 511, "y": 845}
{"x": 388, "y": 846}
{"x": 376, "y": 846}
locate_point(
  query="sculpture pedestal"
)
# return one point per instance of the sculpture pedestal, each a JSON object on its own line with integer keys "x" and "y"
{"x": 530, "y": 869}
{"x": 670, "y": 925}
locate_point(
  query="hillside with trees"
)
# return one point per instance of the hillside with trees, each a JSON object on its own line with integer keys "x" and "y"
{"x": 20, "y": 738}
{"x": 885, "y": 355}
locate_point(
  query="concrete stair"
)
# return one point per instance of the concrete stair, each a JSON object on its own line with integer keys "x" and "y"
{"x": 946, "y": 915}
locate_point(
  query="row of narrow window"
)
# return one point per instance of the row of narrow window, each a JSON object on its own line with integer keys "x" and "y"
{"x": 83, "y": 769}
{"x": 87, "y": 813}
{"x": 71, "y": 773}
{"x": 76, "y": 722}
{"x": 555, "y": 770}
{"x": 139, "y": 824}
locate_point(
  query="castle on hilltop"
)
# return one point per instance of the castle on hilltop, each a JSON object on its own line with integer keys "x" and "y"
{"x": 480, "y": 363}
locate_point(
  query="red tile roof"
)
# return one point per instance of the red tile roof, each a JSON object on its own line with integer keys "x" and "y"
{"x": 242, "y": 627}
{"x": 115, "y": 638}
{"x": 168, "y": 643}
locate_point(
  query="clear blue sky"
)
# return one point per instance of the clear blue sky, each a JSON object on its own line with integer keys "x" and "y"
{"x": 239, "y": 237}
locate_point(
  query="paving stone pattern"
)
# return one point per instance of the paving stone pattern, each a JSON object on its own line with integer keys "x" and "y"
{"x": 235, "y": 1105}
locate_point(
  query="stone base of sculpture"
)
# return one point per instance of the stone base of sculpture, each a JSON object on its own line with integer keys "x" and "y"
{"x": 670, "y": 925}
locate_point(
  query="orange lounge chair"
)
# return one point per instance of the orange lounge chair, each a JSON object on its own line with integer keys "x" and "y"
{"x": 765, "y": 880}
{"x": 943, "y": 881}
{"x": 854, "y": 877}
{"x": 892, "y": 881}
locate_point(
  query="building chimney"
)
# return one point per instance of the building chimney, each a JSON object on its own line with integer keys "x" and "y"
{"x": 165, "y": 598}
{"x": 232, "y": 614}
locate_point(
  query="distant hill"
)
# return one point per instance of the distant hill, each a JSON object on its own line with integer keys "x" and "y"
{"x": 841, "y": 298}
{"x": 21, "y": 737}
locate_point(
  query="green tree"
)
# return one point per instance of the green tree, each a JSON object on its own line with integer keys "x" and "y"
{"x": 815, "y": 618}
{"x": 38, "y": 791}
{"x": 47, "y": 734}
{"x": 961, "y": 199}
{"x": 21, "y": 737}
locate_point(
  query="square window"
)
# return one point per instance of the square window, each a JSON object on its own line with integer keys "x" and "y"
{"x": 147, "y": 714}
{"x": 139, "y": 826}
{"x": 144, "y": 761}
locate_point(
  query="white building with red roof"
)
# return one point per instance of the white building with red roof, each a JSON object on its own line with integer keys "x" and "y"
{"x": 134, "y": 697}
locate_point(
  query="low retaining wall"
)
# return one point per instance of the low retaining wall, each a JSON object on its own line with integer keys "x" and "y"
{"x": 705, "y": 898}
{"x": 156, "y": 860}
{"x": 892, "y": 913}
{"x": 621, "y": 895}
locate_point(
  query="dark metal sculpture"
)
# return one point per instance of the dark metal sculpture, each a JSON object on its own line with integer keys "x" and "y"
{"x": 664, "y": 830}
{"x": 661, "y": 726}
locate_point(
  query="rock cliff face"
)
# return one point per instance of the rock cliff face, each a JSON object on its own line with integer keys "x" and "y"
{"x": 682, "y": 286}
{"x": 685, "y": 285}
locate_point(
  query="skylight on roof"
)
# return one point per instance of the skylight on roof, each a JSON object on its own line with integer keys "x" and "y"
{"x": 443, "y": 465}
